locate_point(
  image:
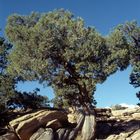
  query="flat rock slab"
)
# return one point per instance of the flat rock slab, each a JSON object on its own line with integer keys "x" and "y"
{"x": 47, "y": 135}
{"x": 9, "y": 136}
{"x": 26, "y": 125}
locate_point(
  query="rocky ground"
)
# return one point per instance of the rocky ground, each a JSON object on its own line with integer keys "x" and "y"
{"x": 58, "y": 125}
{"x": 120, "y": 125}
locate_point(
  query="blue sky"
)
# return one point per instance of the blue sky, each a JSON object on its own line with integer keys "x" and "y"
{"x": 102, "y": 14}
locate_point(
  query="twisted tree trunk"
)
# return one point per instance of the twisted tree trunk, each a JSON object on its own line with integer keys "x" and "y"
{"x": 88, "y": 128}
{"x": 85, "y": 129}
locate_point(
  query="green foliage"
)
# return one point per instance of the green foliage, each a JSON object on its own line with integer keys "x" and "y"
{"x": 4, "y": 50}
{"x": 120, "y": 50}
{"x": 7, "y": 88}
{"x": 61, "y": 51}
{"x": 27, "y": 100}
{"x": 132, "y": 32}
{"x": 9, "y": 97}
{"x": 7, "y": 83}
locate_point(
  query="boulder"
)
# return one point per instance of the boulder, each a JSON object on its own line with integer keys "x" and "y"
{"x": 72, "y": 118}
{"x": 54, "y": 124}
{"x": 28, "y": 124}
{"x": 9, "y": 136}
{"x": 117, "y": 113}
{"x": 112, "y": 137}
{"x": 107, "y": 110}
{"x": 136, "y": 115}
{"x": 37, "y": 134}
{"x": 125, "y": 136}
{"x": 125, "y": 112}
{"x": 60, "y": 133}
{"x": 136, "y": 135}
{"x": 103, "y": 128}
{"x": 14, "y": 123}
{"x": 46, "y": 135}
{"x": 66, "y": 134}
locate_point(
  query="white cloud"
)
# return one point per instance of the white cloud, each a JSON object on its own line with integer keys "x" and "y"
{"x": 108, "y": 107}
{"x": 128, "y": 105}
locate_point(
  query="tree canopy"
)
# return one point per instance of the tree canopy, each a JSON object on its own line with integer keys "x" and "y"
{"x": 132, "y": 32}
{"x": 7, "y": 83}
{"x": 9, "y": 96}
{"x": 57, "y": 48}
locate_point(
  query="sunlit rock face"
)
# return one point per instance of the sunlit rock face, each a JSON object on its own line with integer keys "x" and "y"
{"x": 122, "y": 124}
{"x": 27, "y": 125}
{"x": 61, "y": 125}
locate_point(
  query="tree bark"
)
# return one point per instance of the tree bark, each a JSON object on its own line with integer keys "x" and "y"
{"x": 86, "y": 126}
{"x": 75, "y": 131}
{"x": 88, "y": 129}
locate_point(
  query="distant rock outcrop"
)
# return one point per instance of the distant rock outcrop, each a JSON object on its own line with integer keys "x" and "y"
{"x": 121, "y": 125}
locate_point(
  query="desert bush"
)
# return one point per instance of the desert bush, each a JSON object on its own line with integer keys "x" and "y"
{"x": 117, "y": 107}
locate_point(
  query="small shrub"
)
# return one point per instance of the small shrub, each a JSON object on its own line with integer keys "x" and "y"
{"x": 118, "y": 107}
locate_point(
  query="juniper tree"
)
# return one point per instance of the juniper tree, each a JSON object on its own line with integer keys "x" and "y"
{"x": 58, "y": 49}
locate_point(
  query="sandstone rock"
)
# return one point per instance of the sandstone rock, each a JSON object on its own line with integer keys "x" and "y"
{"x": 9, "y": 136}
{"x": 54, "y": 124}
{"x": 117, "y": 113}
{"x": 132, "y": 126}
{"x": 112, "y": 137}
{"x": 136, "y": 115}
{"x": 112, "y": 117}
{"x": 15, "y": 123}
{"x": 72, "y": 110}
{"x": 103, "y": 128}
{"x": 32, "y": 126}
{"x": 128, "y": 139}
{"x": 66, "y": 135}
{"x": 37, "y": 134}
{"x": 72, "y": 118}
{"x": 125, "y": 112}
{"x": 125, "y": 136}
{"x": 3, "y": 131}
{"x": 108, "y": 110}
{"x": 136, "y": 135}
{"x": 46, "y": 135}
{"x": 122, "y": 125}
{"x": 60, "y": 133}
{"x": 28, "y": 124}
